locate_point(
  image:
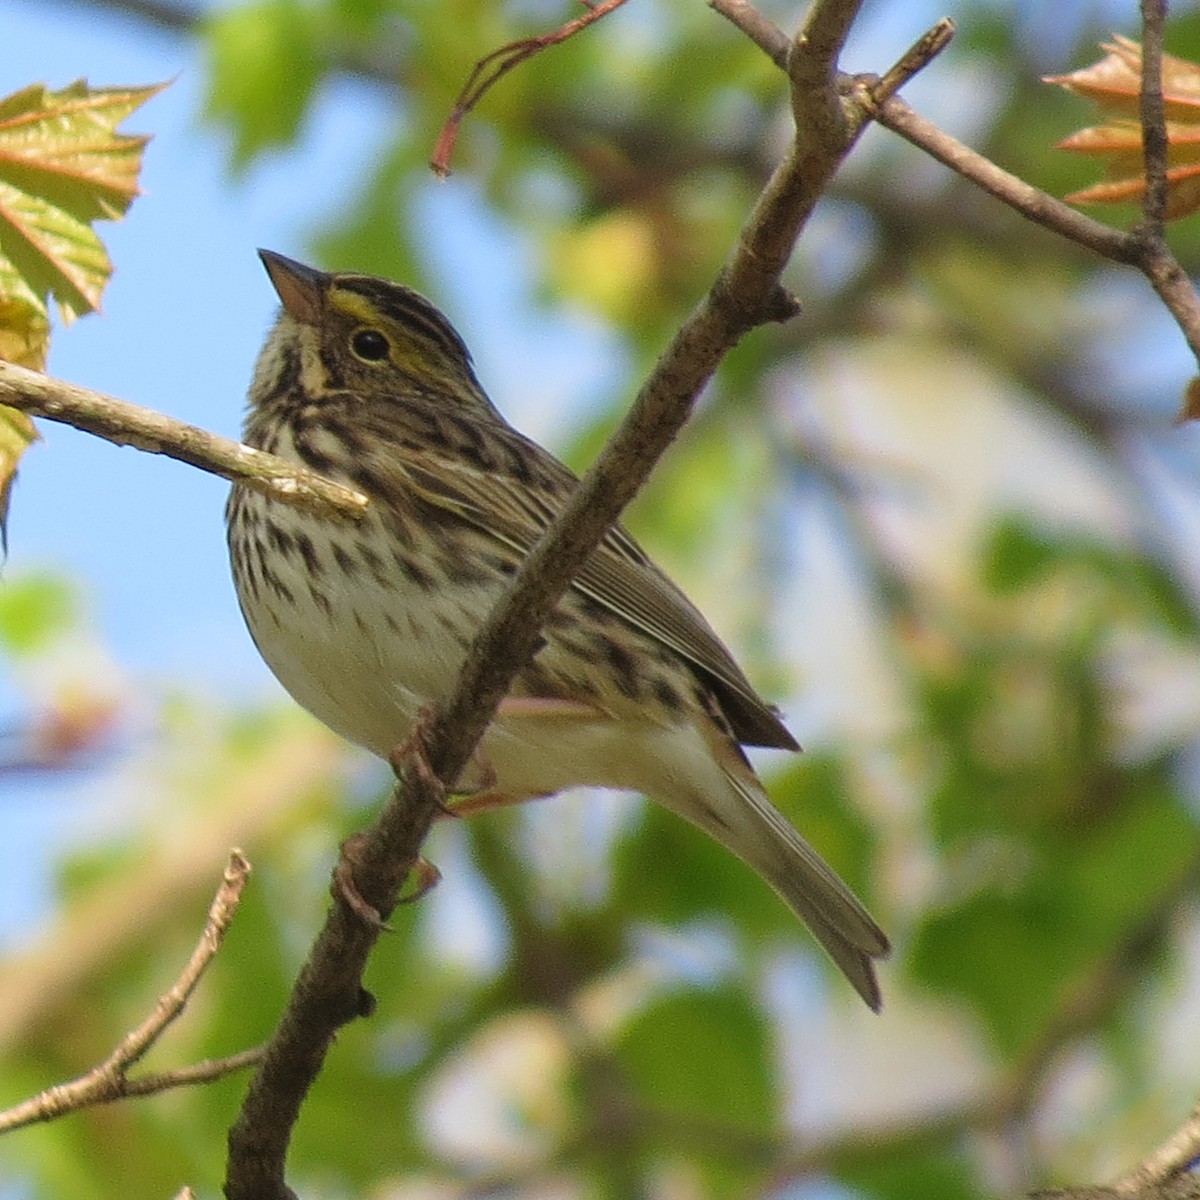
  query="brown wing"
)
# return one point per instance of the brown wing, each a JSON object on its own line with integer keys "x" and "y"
{"x": 619, "y": 575}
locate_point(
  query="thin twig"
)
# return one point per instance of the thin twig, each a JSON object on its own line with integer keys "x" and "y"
{"x": 109, "y": 1081}
{"x": 916, "y": 58}
{"x": 1149, "y": 254}
{"x": 204, "y": 1071}
{"x": 758, "y": 27}
{"x": 1175, "y": 1155}
{"x": 252, "y": 797}
{"x": 1032, "y": 203}
{"x": 1175, "y": 289}
{"x": 127, "y": 424}
{"x": 490, "y": 69}
{"x": 1153, "y": 120}
{"x": 1139, "y": 248}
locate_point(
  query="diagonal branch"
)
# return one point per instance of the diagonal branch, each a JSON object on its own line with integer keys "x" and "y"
{"x": 1032, "y": 203}
{"x": 127, "y": 424}
{"x": 746, "y": 293}
{"x": 110, "y": 1079}
{"x": 1144, "y": 248}
{"x": 489, "y": 70}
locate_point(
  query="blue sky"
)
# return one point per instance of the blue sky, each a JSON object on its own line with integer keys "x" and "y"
{"x": 182, "y": 321}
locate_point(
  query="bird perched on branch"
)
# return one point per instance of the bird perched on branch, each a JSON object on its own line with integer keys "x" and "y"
{"x": 367, "y": 623}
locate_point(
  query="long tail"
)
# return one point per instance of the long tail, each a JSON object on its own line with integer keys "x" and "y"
{"x": 758, "y": 833}
{"x": 811, "y": 889}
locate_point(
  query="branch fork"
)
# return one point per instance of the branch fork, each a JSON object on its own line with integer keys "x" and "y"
{"x": 110, "y": 1080}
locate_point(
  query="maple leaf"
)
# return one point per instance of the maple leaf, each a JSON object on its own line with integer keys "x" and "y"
{"x": 62, "y": 167}
{"x": 1114, "y": 85}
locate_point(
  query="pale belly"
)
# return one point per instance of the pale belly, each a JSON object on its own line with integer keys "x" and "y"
{"x": 364, "y": 655}
{"x": 350, "y": 680}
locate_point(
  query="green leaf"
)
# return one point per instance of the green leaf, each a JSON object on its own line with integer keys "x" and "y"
{"x": 24, "y": 322}
{"x": 932, "y": 1175}
{"x": 359, "y": 16}
{"x": 704, "y": 1057}
{"x": 62, "y": 167}
{"x": 34, "y": 611}
{"x": 265, "y": 62}
{"x": 1020, "y": 555}
{"x": 1065, "y": 900}
{"x": 17, "y": 432}
{"x": 1017, "y": 556}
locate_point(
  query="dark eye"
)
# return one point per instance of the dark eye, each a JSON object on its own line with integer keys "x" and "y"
{"x": 370, "y": 344}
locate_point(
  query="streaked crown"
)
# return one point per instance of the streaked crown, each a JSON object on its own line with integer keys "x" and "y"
{"x": 363, "y": 333}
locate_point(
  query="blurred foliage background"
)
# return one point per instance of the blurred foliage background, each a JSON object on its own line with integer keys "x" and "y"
{"x": 945, "y": 517}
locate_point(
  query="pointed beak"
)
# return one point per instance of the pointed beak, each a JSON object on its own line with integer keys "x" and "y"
{"x": 301, "y": 289}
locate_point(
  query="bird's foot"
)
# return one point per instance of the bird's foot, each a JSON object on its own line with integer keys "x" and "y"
{"x": 412, "y": 753}
{"x": 480, "y": 802}
{"x": 480, "y": 793}
{"x": 345, "y": 888}
{"x": 425, "y": 878}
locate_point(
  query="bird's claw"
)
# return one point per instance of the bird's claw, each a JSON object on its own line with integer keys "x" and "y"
{"x": 345, "y": 888}
{"x": 426, "y": 878}
{"x": 412, "y": 753}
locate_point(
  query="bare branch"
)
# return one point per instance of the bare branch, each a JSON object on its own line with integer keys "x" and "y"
{"x": 109, "y": 1081}
{"x": 916, "y": 58}
{"x": 204, "y": 1071}
{"x": 1140, "y": 248}
{"x": 127, "y": 424}
{"x": 823, "y": 35}
{"x": 1155, "y": 259}
{"x": 250, "y": 798}
{"x": 760, "y": 29}
{"x": 822, "y": 123}
{"x": 1032, "y": 203}
{"x": 172, "y": 1002}
{"x": 1154, "y": 120}
{"x": 1174, "y": 1156}
{"x": 490, "y": 69}
{"x": 1174, "y": 287}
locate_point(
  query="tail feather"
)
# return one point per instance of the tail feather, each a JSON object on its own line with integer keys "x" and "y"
{"x": 854, "y": 958}
{"x": 765, "y": 840}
